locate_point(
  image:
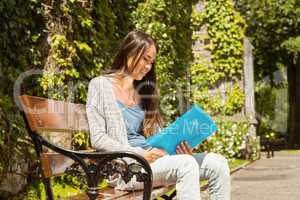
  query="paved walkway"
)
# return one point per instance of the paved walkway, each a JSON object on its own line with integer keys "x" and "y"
{"x": 277, "y": 178}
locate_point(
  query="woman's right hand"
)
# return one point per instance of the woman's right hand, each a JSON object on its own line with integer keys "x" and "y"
{"x": 153, "y": 154}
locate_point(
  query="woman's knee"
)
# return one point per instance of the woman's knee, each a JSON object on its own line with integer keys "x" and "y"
{"x": 217, "y": 163}
{"x": 188, "y": 163}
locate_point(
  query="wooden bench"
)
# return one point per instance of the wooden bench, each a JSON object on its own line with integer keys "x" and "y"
{"x": 43, "y": 114}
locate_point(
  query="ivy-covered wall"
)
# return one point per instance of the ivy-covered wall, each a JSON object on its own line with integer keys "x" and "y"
{"x": 217, "y": 74}
{"x": 225, "y": 29}
{"x": 82, "y": 38}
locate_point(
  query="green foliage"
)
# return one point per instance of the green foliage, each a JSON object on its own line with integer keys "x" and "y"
{"x": 168, "y": 21}
{"x": 80, "y": 140}
{"x": 214, "y": 103}
{"x": 13, "y": 142}
{"x": 270, "y": 136}
{"x": 272, "y": 104}
{"x": 226, "y": 31}
{"x": 273, "y": 28}
{"x": 292, "y": 45}
{"x": 235, "y": 98}
{"x": 225, "y": 28}
{"x": 18, "y": 40}
{"x": 270, "y": 24}
{"x": 64, "y": 186}
{"x": 80, "y": 45}
{"x": 35, "y": 191}
{"x": 229, "y": 140}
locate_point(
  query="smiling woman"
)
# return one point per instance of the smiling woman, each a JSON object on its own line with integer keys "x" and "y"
{"x": 144, "y": 64}
{"x": 123, "y": 109}
{"x": 134, "y": 79}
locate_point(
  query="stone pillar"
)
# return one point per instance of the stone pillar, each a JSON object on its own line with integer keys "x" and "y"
{"x": 249, "y": 86}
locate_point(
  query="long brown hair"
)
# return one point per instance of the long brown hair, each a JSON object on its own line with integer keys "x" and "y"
{"x": 135, "y": 45}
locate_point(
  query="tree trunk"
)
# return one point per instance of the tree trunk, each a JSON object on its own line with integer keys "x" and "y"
{"x": 294, "y": 106}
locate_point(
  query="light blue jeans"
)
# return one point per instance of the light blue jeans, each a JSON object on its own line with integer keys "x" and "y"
{"x": 185, "y": 171}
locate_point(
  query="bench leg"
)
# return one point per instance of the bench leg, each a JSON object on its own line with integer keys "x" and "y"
{"x": 92, "y": 193}
{"x": 93, "y": 190}
{"x": 48, "y": 188}
{"x": 268, "y": 150}
{"x": 272, "y": 149}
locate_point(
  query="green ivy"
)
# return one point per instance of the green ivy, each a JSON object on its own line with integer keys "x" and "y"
{"x": 20, "y": 30}
{"x": 80, "y": 140}
{"x": 225, "y": 28}
{"x": 168, "y": 21}
{"x": 82, "y": 44}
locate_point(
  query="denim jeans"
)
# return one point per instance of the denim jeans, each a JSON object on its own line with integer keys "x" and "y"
{"x": 185, "y": 171}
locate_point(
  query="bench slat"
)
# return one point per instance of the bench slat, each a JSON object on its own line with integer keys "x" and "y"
{"x": 55, "y": 164}
{"x": 47, "y": 114}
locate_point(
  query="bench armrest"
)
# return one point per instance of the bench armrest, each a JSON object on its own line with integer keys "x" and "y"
{"x": 98, "y": 165}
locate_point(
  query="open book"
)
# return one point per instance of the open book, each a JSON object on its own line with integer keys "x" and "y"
{"x": 194, "y": 126}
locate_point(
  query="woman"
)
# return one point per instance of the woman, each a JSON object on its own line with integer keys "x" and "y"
{"x": 122, "y": 110}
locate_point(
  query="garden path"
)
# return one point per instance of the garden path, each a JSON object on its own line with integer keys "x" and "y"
{"x": 277, "y": 178}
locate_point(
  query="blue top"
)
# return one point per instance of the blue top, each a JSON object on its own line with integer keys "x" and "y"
{"x": 133, "y": 118}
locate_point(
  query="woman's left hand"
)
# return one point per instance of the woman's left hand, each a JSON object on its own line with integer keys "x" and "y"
{"x": 184, "y": 148}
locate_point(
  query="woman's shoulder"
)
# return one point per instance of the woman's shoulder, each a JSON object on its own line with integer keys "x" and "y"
{"x": 100, "y": 80}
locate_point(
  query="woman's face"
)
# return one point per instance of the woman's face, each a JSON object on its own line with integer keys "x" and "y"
{"x": 145, "y": 63}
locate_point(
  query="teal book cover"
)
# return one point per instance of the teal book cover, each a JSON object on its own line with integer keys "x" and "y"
{"x": 194, "y": 126}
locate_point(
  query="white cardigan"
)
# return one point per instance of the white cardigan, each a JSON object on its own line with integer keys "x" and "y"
{"x": 106, "y": 123}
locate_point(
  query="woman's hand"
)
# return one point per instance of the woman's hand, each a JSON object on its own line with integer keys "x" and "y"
{"x": 184, "y": 148}
{"x": 153, "y": 154}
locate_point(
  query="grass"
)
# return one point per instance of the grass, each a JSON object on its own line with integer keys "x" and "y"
{"x": 235, "y": 163}
{"x": 36, "y": 190}
{"x": 291, "y": 151}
